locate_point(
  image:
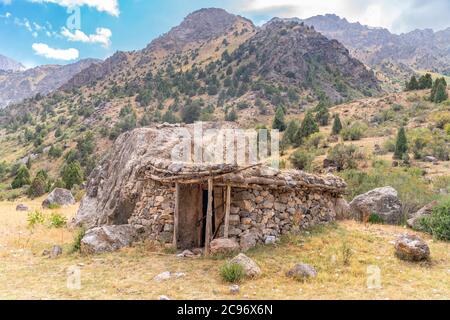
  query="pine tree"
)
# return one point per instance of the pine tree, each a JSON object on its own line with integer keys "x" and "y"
{"x": 278, "y": 121}
{"x": 401, "y": 145}
{"x": 337, "y": 125}
{"x": 308, "y": 127}
{"x": 436, "y": 85}
{"x": 412, "y": 84}
{"x": 322, "y": 115}
{"x": 289, "y": 134}
{"x": 426, "y": 82}
{"x": 441, "y": 93}
{"x": 72, "y": 174}
{"x": 22, "y": 178}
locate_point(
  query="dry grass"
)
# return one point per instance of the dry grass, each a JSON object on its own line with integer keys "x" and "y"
{"x": 128, "y": 274}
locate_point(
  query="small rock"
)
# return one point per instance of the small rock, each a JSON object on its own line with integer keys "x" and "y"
{"x": 430, "y": 159}
{"x": 22, "y": 207}
{"x": 302, "y": 272}
{"x": 45, "y": 253}
{"x": 224, "y": 246}
{"x": 186, "y": 254}
{"x": 163, "y": 298}
{"x": 425, "y": 211}
{"x": 270, "y": 240}
{"x": 163, "y": 276}
{"x": 56, "y": 251}
{"x": 61, "y": 197}
{"x": 234, "y": 289}
{"x": 411, "y": 248}
{"x": 251, "y": 269}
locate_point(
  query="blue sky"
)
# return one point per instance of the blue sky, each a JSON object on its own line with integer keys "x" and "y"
{"x": 37, "y": 32}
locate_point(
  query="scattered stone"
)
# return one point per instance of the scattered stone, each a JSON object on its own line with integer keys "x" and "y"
{"x": 234, "y": 289}
{"x": 270, "y": 240}
{"x": 248, "y": 240}
{"x": 55, "y": 252}
{"x": 163, "y": 298}
{"x": 302, "y": 272}
{"x": 45, "y": 253}
{"x": 108, "y": 239}
{"x": 224, "y": 246}
{"x": 411, "y": 248}
{"x": 425, "y": 211}
{"x": 250, "y": 267}
{"x": 22, "y": 207}
{"x": 382, "y": 201}
{"x": 430, "y": 159}
{"x": 186, "y": 254}
{"x": 163, "y": 276}
{"x": 60, "y": 197}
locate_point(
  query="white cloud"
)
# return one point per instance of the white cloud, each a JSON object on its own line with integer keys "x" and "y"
{"x": 5, "y": 1}
{"x": 102, "y": 36}
{"x": 44, "y": 50}
{"x": 109, "y": 6}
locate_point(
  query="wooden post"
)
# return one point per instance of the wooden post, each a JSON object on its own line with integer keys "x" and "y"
{"x": 209, "y": 217}
{"x": 176, "y": 215}
{"x": 227, "y": 211}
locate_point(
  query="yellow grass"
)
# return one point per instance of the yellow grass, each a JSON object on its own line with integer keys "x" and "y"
{"x": 128, "y": 274}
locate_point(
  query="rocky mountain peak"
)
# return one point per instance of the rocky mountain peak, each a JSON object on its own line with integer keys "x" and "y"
{"x": 8, "y": 64}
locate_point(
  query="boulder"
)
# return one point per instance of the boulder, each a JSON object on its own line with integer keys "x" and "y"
{"x": 224, "y": 246}
{"x": 342, "y": 209}
{"x": 108, "y": 239}
{"x": 411, "y": 248}
{"x": 302, "y": 272}
{"x": 425, "y": 211}
{"x": 22, "y": 207}
{"x": 430, "y": 159}
{"x": 55, "y": 252}
{"x": 248, "y": 240}
{"x": 250, "y": 267}
{"x": 60, "y": 197}
{"x": 382, "y": 201}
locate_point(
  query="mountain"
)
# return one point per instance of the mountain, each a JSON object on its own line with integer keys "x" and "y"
{"x": 7, "y": 64}
{"x": 19, "y": 85}
{"x": 418, "y": 49}
{"x": 214, "y": 66}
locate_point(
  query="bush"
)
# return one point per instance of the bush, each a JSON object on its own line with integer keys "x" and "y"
{"x": 22, "y": 178}
{"x": 302, "y": 159}
{"x": 72, "y": 174}
{"x": 76, "y": 244}
{"x": 232, "y": 272}
{"x": 438, "y": 223}
{"x": 38, "y": 187}
{"x": 278, "y": 121}
{"x": 345, "y": 156}
{"x": 354, "y": 132}
{"x": 35, "y": 218}
{"x": 57, "y": 221}
{"x": 375, "y": 218}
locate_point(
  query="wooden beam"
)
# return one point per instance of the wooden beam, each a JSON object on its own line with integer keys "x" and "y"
{"x": 176, "y": 215}
{"x": 227, "y": 211}
{"x": 209, "y": 217}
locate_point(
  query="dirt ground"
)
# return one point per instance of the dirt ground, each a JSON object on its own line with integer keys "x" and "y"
{"x": 128, "y": 274}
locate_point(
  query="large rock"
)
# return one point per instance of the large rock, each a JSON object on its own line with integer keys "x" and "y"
{"x": 224, "y": 246}
{"x": 411, "y": 248}
{"x": 250, "y": 267}
{"x": 342, "y": 209}
{"x": 60, "y": 197}
{"x": 108, "y": 239}
{"x": 382, "y": 201}
{"x": 302, "y": 272}
{"x": 425, "y": 211}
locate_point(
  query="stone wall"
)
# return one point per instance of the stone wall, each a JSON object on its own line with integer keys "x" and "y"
{"x": 257, "y": 216}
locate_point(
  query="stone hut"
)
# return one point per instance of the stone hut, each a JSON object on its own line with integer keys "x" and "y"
{"x": 189, "y": 204}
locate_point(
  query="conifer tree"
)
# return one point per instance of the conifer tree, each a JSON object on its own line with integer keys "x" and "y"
{"x": 307, "y": 128}
{"x": 413, "y": 84}
{"x": 337, "y": 125}
{"x": 22, "y": 178}
{"x": 278, "y": 121}
{"x": 401, "y": 145}
{"x": 441, "y": 93}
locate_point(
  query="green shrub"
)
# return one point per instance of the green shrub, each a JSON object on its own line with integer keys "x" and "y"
{"x": 302, "y": 159}
{"x": 232, "y": 272}
{"x": 53, "y": 206}
{"x": 72, "y": 174}
{"x": 57, "y": 220}
{"x": 345, "y": 156}
{"x": 35, "y": 218}
{"x": 438, "y": 223}
{"x": 76, "y": 244}
{"x": 22, "y": 178}
{"x": 375, "y": 218}
{"x": 354, "y": 132}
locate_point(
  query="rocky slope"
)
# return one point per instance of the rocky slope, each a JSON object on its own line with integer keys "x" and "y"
{"x": 7, "y": 64}
{"x": 20, "y": 85}
{"x": 419, "y": 49}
